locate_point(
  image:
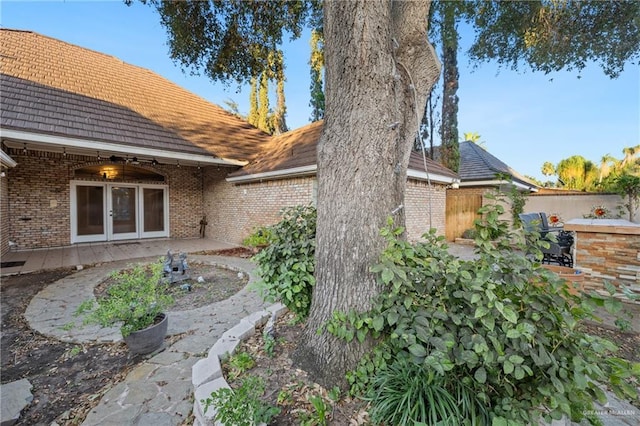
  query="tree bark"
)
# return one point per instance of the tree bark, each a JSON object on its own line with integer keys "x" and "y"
{"x": 449, "y": 136}
{"x": 378, "y": 56}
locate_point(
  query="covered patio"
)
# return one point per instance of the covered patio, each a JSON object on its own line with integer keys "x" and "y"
{"x": 22, "y": 262}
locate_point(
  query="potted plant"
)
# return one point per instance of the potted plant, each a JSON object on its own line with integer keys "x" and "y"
{"x": 136, "y": 302}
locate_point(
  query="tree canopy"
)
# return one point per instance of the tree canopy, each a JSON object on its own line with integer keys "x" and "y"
{"x": 231, "y": 40}
{"x": 543, "y": 35}
{"x": 578, "y": 173}
{"x": 552, "y": 35}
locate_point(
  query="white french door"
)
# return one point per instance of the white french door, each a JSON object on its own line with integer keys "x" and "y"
{"x": 110, "y": 211}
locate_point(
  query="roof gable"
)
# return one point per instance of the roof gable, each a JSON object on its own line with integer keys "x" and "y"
{"x": 50, "y": 86}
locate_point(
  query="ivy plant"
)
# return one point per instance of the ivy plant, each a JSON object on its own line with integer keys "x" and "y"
{"x": 286, "y": 267}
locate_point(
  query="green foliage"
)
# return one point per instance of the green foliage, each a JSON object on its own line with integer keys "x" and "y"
{"x": 334, "y": 394}
{"x": 316, "y": 63}
{"x": 469, "y": 234}
{"x": 284, "y": 397}
{"x": 134, "y": 300}
{"x": 501, "y": 326}
{"x": 628, "y": 185}
{"x": 578, "y": 173}
{"x": 259, "y": 237}
{"x": 241, "y": 406}
{"x": 319, "y": 415}
{"x": 75, "y": 351}
{"x": 230, "y": 40}
{"x": 287, "y": 266}
{"x": 269, "y": 344}
{"x": 239, "y": 363}
{"x": 68, "y": 326}
{"x": 408, "y": 393}
{"x": 518, "y": 200}
{"x": 555, "y": 35}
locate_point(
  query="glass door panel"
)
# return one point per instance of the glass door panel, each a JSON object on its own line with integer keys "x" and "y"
{"x": 124, "y": 215}
{"x": 89, "y": 212}
{"x": 153, "y": 217}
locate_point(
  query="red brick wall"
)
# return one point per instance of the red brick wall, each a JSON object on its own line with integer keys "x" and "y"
{"x": 4, "y": 213}
{"x": 185, "y": 200}
{"x": 38, "y": 198}
{"x": 39, "y": 189}
{"x": 611, "y": 257}
{"x": 421, "y": 202}
{"x": 234, "y": 211}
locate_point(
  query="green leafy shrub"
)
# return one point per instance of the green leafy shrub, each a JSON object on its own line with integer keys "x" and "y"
{"x": 259, "y": 237}
{"x": 287, "y": 265}
{"x": 501, "y": 326}
{"x": 469, "y": 233}
{"x": 241, "y": 406}
{"x": 134, "y": 300}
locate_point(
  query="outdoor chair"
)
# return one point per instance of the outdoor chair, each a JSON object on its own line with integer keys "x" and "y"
{"x": 560, "y": 244}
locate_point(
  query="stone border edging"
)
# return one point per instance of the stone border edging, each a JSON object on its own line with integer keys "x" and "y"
{"x": 206, "y": 374}
{"x": 53, "y": 307}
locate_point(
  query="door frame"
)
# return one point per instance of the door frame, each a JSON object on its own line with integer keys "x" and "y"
{"x": 108, "y": 234}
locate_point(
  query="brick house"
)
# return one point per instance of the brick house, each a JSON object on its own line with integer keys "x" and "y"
{"x": 94, "y": 149}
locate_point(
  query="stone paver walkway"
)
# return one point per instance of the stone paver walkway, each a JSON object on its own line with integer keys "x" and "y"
{"x": 159, "y": 390}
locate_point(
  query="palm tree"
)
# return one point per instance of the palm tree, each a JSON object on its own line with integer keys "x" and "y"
{"x": 577, "y": 172}
{"x": 607, "y": 163}
{"x": 471, "y": 137}
{"x": 548, "y": 169}
{"x": 630, "y": 154}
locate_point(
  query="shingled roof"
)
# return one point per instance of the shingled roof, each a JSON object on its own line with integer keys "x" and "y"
{"x": 294, "y": 154}
{"x": 55, "y": 88}
{"x": 477, "y": 164}
{"x": 291, "y": 153}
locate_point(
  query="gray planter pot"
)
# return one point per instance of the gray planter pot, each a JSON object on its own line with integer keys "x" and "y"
{"x": 148, "y": 340}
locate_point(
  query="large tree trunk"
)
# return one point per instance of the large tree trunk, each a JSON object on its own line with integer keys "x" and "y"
{"x": 449, "y": 135}
{"x": 377, "y": 54}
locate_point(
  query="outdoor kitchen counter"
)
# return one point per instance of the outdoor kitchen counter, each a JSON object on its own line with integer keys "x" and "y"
{"x": 608, "y": 226}
{"x": 607, "y": 249}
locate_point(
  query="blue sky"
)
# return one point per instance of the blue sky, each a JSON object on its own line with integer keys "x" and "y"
{"x": 524, "y": 119}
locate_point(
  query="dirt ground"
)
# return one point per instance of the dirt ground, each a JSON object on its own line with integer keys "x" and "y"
{"x": 69, "y": 379}
{"x": 291, "y": 390}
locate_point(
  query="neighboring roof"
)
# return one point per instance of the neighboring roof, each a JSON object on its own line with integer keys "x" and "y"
{"x": 478, "y": 165}
{"x": 294, "y": 154}
{"x": 51, "y": 87}
{"x": 561, "y": 191}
